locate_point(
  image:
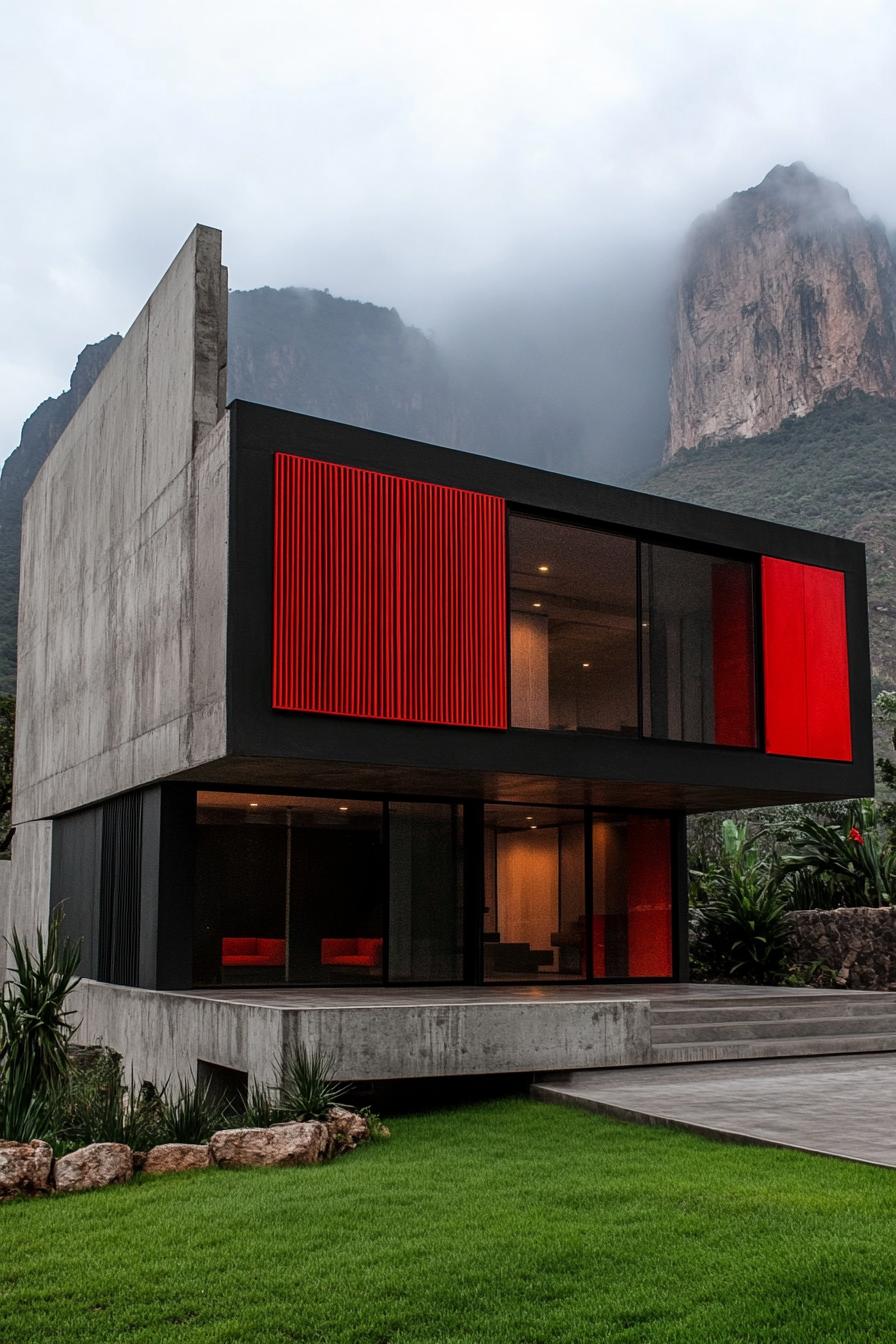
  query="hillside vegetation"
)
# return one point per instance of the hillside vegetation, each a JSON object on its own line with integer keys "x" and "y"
{"x": 831, "y": 471}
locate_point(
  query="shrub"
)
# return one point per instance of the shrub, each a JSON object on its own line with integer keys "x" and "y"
{"x": 260, "y": 1109}
{"x": 841, "y": 862}
{"x": 739, "y": 927}
{"x": 307, "y": 1087}
{"x": 93, "y": 1105}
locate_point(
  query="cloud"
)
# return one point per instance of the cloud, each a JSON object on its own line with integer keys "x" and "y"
{"x": 451, "y": 161}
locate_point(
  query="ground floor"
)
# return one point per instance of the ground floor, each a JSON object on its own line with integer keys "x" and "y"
{"x": 182, "y": 887}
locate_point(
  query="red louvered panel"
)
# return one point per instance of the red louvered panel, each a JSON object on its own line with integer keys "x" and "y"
{"x": 805, "y": 657}
{"x": 389, "y": 597}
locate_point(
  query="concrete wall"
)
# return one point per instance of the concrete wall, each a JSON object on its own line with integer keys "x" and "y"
{"x": 28, "y": 881}
{"x": 163, "y": 1034}
{"x": 121, "y": 663}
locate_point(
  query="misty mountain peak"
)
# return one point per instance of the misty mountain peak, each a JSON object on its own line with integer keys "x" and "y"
{"x": 787, "y": 297}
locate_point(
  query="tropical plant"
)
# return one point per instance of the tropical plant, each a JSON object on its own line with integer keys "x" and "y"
{"x": 35, "y": 1030}
{"x": 307, "y": 1087}
{"x": 739, "y": 926}
{"x": 840, "y": 863}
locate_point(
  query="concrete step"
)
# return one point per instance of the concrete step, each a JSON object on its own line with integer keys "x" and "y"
{"x": 749, "y": 1029}
{"x": 777, "y": 1010}
{"x": 702, "y": 1051}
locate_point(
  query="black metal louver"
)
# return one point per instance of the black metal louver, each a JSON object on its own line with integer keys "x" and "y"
{"x": 119, "y": 923}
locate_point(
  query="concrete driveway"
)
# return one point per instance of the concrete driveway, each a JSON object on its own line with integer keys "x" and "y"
{"x": 843, "y": 1106}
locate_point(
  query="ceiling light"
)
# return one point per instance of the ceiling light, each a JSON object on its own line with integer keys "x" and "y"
{"x": 536, "y": 604}
{"x": 533, "y": 828}
{"x": 544, "y": 569}
{"x": 586, "y": 664}
{"x": 343, "y": 809}
{"x": 528, "y": 818}
{"x": 253, "y": 804}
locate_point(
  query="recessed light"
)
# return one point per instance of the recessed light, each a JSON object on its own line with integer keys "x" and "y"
{"x": 544, "y": 569}
{"x": 536, "y": 605}
{"x": 528, "y": 818}
{"x": 343, "y": 809}
{"x": 533, "y": 828}
{"x": 586, "y": 664}
{"x": 253, "y": 804}
{"x": 643, "y": 625}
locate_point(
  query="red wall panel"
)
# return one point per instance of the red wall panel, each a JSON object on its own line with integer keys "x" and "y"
{"x": 649, "y": 865}
{"x": 734, "y": 691}
{"x": 805, "y": 657}
{"x": 389, "y": 597}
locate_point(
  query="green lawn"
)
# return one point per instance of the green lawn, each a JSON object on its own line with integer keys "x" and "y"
{"x": 510, "y": 1221}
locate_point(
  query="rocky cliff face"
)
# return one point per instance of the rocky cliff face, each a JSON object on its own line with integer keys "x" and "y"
{"x": 787, "y": 298}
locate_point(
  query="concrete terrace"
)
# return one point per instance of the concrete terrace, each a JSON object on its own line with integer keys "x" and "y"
{"x": 383, "y": 1032}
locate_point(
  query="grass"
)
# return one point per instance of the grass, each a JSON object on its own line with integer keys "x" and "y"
{"x": 507, "y": 1222}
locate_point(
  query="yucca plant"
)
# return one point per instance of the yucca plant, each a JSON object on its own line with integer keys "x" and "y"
{"x": 307, "y": 1087}
{"x": 261, "y": 1108}
{"x": 191, "y": 1111}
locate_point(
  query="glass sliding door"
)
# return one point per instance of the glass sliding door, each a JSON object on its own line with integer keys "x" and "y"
{"x": 288, "y": 888}
{"x": 631, "y": 926}
{"x": 534, "y": 916}
{"x": 426, "y": 904}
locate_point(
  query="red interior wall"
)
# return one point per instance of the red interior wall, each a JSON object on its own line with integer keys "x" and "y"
{"x": 649, "y": 865}
{"x": 389, "y": 597}
{"x": 805, "y": 659}
{"x": 732, "y": 656}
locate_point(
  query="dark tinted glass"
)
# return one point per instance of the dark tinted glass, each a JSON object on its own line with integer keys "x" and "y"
{"x": 697, "y": 647}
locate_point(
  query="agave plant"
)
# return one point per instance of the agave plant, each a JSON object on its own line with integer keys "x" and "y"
{"x": 191, "y": 1111}
{"x": 307, "y": 1086}
{"x": 843, "y": 859}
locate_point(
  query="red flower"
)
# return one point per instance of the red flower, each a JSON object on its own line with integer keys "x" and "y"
{"x": 857, "y": 836}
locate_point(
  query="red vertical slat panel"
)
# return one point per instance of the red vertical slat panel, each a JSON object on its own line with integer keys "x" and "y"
{"x": 732, "y": 656}
{"x": 649, "y": 882}
{"x": 784, "y": 657}
{"x": 389, "y": 597}
{"x": 827, "y": 665}
{"x": 805, "y": 657}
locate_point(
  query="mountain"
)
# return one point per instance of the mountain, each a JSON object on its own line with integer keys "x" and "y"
{"x": 787, "y": 298}
{"x": 831, "y": 470}
{"x": 39, "y": 433}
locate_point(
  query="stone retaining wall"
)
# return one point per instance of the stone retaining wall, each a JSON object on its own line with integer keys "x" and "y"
{"x": 859, "y": 945}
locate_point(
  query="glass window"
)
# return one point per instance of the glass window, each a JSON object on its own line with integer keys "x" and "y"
{"x": 697, "y": 647}
{"x": 425, "y": 892}
{"x": 632, "y": 909}
{"x": 534, "y": 919}
{"x": 573, "y": 624}
{"x": 288, "y": 888}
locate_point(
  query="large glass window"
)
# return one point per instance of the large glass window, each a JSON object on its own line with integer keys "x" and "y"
{"x": 288, "y": 888}
{"x": 534, "y": 924}
{"x": 425, "y": 892}
{"x": 573, "y": 628}
{"x": 697, "y": 647}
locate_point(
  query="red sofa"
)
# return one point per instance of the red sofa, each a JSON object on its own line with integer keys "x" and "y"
{"x": 351, "y": 951}
{"x": 253, "y": 951}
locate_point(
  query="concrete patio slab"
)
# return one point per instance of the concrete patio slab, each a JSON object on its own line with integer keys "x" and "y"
{"x": 839, "y": 1106}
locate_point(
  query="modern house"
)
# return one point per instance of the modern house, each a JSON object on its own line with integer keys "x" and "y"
{"x": 306, "y": 710}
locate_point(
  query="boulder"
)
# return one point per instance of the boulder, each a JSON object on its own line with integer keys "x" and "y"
{"x": 346, "y": 1129}
{"x": 168, "y": 1157}
{"x": 25, "y": 1168}
{"x": 291, "y": 1145}
{"x": 93, "y": 1167}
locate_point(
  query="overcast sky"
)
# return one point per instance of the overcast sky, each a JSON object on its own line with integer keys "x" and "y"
{"x": 423, "y": 156}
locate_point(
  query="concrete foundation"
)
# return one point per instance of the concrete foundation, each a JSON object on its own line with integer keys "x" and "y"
{"x": 163, "y": 1035}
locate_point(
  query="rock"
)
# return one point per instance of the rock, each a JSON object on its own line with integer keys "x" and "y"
{"x": 785, "y": 300}
{"x": 346, "y": 1129}
{"x": 25, "y": 1168}
{"x": 291, "y": 1145}
{"x": 857, "y": 944}
{"x": 93, "y": 1167}
{"x": 168, "y": 1157}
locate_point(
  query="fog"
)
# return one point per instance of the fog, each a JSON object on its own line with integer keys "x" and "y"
{"x": 514, "y": 178}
